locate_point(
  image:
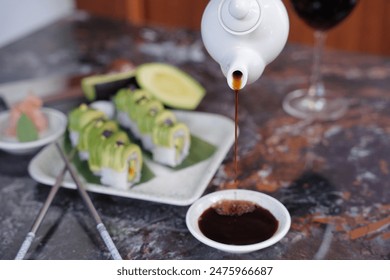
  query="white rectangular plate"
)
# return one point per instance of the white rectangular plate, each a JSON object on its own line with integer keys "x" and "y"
{"x": 180, "y": 187}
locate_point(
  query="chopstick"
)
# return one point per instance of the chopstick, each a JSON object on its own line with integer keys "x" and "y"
{"x": 31, "y": 235}
{"x": 88, "y": 202}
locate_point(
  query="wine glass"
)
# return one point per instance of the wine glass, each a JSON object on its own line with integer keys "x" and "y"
{"x": 313, "y": 102}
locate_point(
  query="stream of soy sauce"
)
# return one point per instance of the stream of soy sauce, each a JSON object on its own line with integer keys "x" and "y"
{"x": 237, "y": 82}
{"x": 222, "y": 222}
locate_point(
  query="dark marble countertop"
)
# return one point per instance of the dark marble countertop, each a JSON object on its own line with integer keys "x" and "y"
{"x": 332, "y": 176}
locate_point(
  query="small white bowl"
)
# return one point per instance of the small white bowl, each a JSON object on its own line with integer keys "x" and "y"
{"x": 57, "y": 122}
{"x": 271, "y": 204}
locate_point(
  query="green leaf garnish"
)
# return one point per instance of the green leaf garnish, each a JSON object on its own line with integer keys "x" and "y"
{"x": 200, "y": 150}
{"x": 26, "y": 130}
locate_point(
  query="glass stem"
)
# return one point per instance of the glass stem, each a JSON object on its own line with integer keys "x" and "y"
{"x": 316, "y": 89}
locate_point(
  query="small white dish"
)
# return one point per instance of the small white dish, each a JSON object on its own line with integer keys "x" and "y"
{"x": 56, "y": 127}
{"x": 277, "y": 209}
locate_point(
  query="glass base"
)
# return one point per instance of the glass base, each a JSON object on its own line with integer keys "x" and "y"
{"x": 300, "y": 105}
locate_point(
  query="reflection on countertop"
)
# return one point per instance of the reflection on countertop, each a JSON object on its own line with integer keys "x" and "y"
{"x": 332, "y": 176}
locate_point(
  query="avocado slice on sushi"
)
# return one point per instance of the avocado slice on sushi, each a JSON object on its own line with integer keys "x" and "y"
{"x": 117, "y": 139}
{"x": 172, "y": 144}
{"x": 100, "y": 133}
{"x": 137, "y": 100}
{"x": 170, "y": 85}
{"x": 79, "y": 118}
{"x": 147, "y": 115}
{"x": 83, "y": 142}
{"x": 83, "y": 115}
{"x": 123, "y": 167}
{"x": 122, "y": 98}
{"x": 165, "y": 118}
{"x": 101, "y": 155}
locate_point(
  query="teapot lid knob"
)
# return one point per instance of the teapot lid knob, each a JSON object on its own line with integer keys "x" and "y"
{"x": 239, "y": 9}
{"x": 239, "y": 16}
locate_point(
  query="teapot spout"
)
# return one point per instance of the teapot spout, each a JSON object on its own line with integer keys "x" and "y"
{"x": 244, "y": 68}
{"x": 237, "y": 77}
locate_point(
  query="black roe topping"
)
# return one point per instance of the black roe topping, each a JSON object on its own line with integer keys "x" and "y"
{"x": 141, "y": 99}
{"x": 168, "y": 122}
{"x": 107, "y": 133}
{"x": 153, "y": 112}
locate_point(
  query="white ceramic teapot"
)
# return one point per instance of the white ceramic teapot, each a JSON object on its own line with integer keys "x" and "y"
{"x": 244, "y": 35}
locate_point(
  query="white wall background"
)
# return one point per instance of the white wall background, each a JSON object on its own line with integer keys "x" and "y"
{"x": 21, "y": 17}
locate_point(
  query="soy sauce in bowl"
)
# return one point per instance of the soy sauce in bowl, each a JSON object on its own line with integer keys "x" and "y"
{"x": 237, "y": 222}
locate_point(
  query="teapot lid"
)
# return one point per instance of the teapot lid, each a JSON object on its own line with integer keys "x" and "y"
{"x": 239, "y": 16}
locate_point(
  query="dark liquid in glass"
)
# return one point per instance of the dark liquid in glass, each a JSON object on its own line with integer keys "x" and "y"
{"x": 323, "y": 14}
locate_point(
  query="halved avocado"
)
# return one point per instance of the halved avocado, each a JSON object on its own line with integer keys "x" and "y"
{"x": 102, "y": 87}
{"x": 170, "y": 85}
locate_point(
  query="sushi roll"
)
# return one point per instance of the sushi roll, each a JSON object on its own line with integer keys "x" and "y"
{"x": 137, "y": 99}
{"x": 93, "y": 133}
{"x": 158, "y": 129}
{"x": 83, "y": 141}
{"x": 146, "y": 120}
{"x": 126, "y": 103}
{"x": 79, "y": 118}
{"x": 172, "y": 143}
{"x": 97, "y": 149}
{"x": 121, "y": 99}
{"x": 121, "y": 165}
{"x": 107, "y": 149}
